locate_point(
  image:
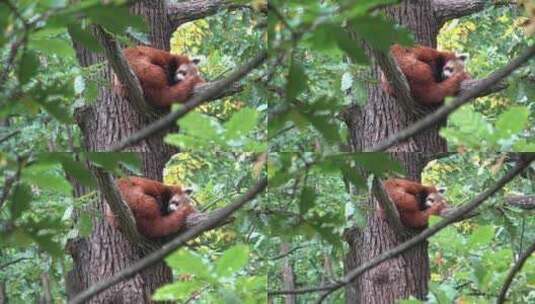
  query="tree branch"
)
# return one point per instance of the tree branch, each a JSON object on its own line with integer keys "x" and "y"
{"x": 459, "y": 212}
{"x": 213, "y": 220}
{"x": 450, "y": 9}
{"x": 124, "y": 73}
{"x": 526, "y": 202}
{"x": 182, "y": 12}
{"x": 198, "y": 99}
{"x": 516, "y": 268}
{"x": 440, "y": 114}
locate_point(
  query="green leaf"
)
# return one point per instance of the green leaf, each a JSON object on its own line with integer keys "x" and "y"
{"x": 47, "y": 243}
{"x": 379, "y": 32}
{"x": 53, "y": 46}
{"x": 482, "y": 235}
{"x": 200, "y": 126}
{"x": 178, "y": 290}
{"x": 511, "y": 122}
{"x": 350, "y": 46}
{"x": 47, "y": 176}
{"x": 185, "y": 261}
{"x": 78, "y": 171}
{"x": 115, "y": 19}
{"x": 306, "y": 201}
{"x": 297, "y": 80}
{"x": 84, "y": 37}
{"x": 111, "y": 160}
{"x": 28, "y": 66}
{"x": 232, "y": 260}
{"x": 241, "y": 123}
{"x": 20, "y": 199}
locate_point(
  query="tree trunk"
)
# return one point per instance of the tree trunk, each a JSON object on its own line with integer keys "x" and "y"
{"x": 111, "y": 119}
{"x": 288, "y": 275}
{"x": 3, "y": 293}
{"x": 380, "y": 118}
{"x": 46, "y": 297}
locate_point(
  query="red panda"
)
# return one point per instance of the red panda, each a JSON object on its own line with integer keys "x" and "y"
{"x": 149, "y": 201}
{"x": 414, "y": 201}
{"x": 424, "y": 69}
{"x": 164, "y": 77}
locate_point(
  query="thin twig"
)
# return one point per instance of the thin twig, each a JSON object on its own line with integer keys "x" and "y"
{"x": 516, "y": 268}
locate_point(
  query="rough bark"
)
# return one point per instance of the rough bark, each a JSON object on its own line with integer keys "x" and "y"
{"x": 182, "y": 12}
{"x": 111, "y": 119}
{"x": 3, "y": 293}
{"x": 379, "y": 119}
{"x": 526, "y": 202}
{"x": 450, "y": 9}
{"x": 288, "y": 276}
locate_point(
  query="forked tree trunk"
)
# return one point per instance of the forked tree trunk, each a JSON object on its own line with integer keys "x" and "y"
{"x": 380, "y": 118}
{"x": 108, "y": 121}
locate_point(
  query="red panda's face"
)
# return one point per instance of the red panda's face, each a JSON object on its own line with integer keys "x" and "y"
{"x": 454, "y": 66}
{"x": 187, "y": 70}
{"x": 180, "y": 199}
{"x": 435, "y": 198}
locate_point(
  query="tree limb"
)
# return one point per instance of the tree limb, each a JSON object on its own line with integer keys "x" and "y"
{"x": 198, "y": 99}
{"x": 516, "y": 268}
{"x": 213, "y": 220}
{"x": 526, "y": 202}
{"x": 424, "y": 235}
{"x": 445, "y": 110}
{"x": 450, "y": 9}
{"x": 182, "y": 12}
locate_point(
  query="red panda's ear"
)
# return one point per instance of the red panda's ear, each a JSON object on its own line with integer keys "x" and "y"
{"x": 188, "y": 191}
{"x": 441, "y": 190}
{"x": 463, "y": 56}
{"x": 196, "y": 61}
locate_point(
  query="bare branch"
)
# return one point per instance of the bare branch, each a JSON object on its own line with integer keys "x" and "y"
{"x": 459, "y": 212}
{"x": 526, "y": 202}
{"x": 124, "y": 73}
{"x": 450, "y": 9}
{"x": 198, "y": 99}
{"x": 516, "y": 268}
{"x": 182, "y": 12}
{"x": 213, "y": 220}
{"x": 12, "y": 262}
{"x": 439, "y": 115}
{"x": 9, "y": 135}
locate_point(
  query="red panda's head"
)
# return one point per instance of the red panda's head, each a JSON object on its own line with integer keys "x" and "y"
{"x": 189, "y": 69}
{"x": 455, "y": 65}
{"x": 437, "y": 197}
{"x": 180, "y": 199}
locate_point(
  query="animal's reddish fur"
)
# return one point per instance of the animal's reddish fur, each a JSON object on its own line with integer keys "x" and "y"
{"x": 144, "y": 197}
{"x": 422, "y": 67}
{"x": 406, "y": 195}
{"x": 153, "y": 68}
